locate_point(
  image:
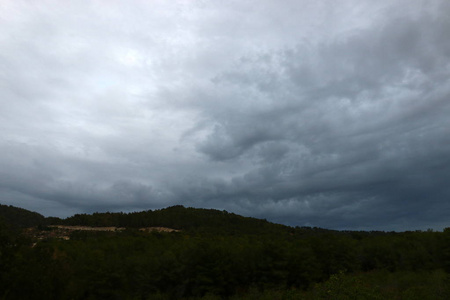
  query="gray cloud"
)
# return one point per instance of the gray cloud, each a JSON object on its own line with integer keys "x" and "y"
{"x": 309, "y": 114}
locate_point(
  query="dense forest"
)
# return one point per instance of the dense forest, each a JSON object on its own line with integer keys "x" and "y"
{"x": 213, "y": 255}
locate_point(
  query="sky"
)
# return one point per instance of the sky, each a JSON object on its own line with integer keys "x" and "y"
{"x": 333, "y": 114}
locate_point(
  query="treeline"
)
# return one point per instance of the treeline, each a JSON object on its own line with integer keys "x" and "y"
{"x": 236, "y": 257}
{"x": 181, "y": 218}
{"x": 19, "y": 217}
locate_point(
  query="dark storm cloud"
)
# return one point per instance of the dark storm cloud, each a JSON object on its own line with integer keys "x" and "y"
{"x": 317, "y": 114}
{"x": 359, "y": 123}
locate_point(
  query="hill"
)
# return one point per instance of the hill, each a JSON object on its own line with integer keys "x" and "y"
{"x": 178, "y": 217}
{"x": 19, "y": 217}
{"x": 181, "y": 218}
{"x": 189, "y": 219}
{"x": 213, "y": 254}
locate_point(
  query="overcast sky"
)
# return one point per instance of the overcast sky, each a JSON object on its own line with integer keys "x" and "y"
{"x": 333, "y": 114}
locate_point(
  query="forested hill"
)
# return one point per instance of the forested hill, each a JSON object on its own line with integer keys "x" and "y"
{"x": 215, "y": 255}
{"x": 19, "y": 217}
{"x": 177, "y": 217}
{"x": 181, "y": 218}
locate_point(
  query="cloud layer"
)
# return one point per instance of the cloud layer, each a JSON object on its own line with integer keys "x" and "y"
{"x": 304, "y": 113}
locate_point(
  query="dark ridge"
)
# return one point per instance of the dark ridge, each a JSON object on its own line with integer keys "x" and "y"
{"x": 215, "y": 255}
{"x": 198, "y": 220}
{"x": 182, "y": 218}
{"x": 19, "y": 217}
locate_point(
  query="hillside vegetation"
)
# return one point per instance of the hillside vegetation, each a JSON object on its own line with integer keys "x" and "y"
{"x": 19, "y": 217}
{"x": 214, "y": 255}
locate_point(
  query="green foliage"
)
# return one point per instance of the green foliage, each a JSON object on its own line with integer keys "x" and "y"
{"x": 382, "y": 284}
{"x": 202, "y": 221}
{"x": 218, "y": 255}
{"x": 19, "y": 217}
{"x": 446, "y": 249}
